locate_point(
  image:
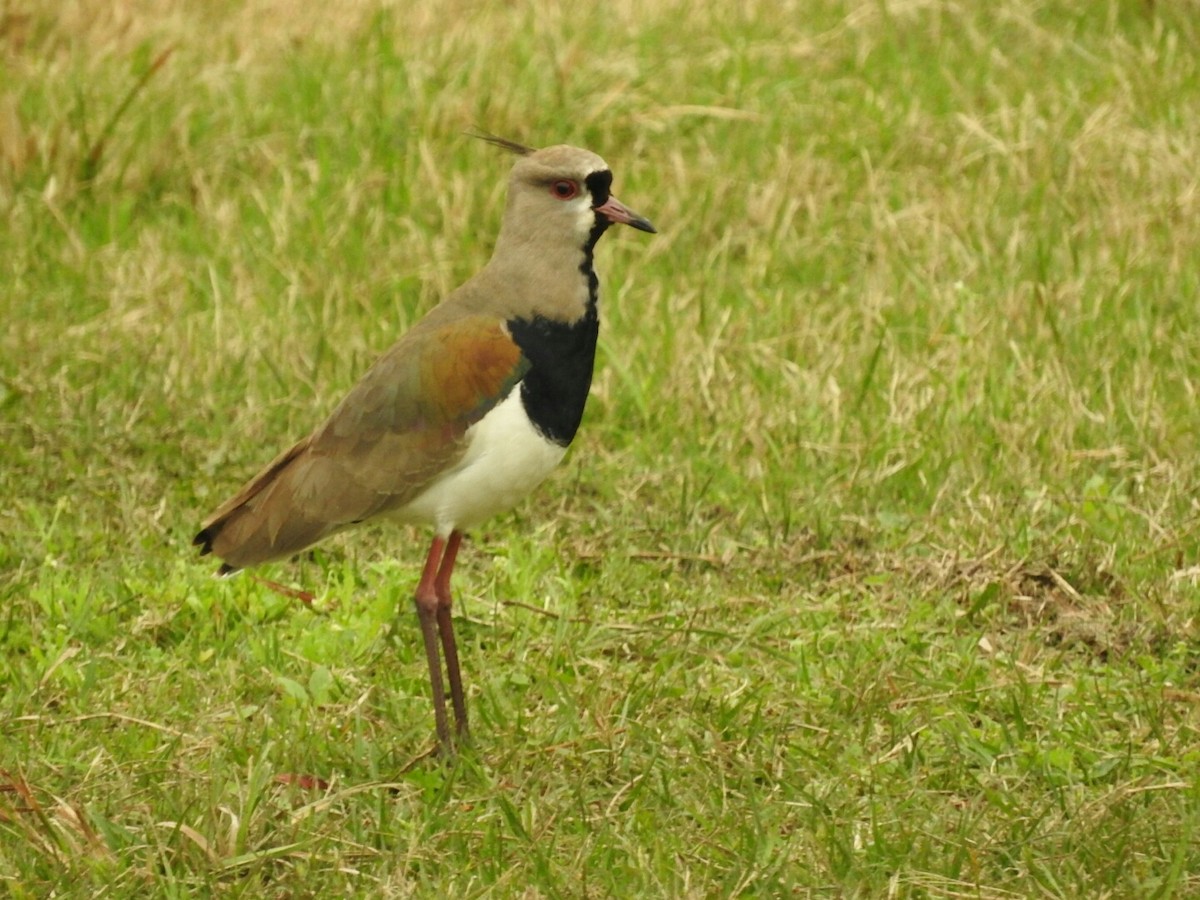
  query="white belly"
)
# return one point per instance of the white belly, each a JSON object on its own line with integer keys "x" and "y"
{"x": 506, "y": 458}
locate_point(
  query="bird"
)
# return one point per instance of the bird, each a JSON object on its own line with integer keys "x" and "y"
{"x": 467, "y": 413}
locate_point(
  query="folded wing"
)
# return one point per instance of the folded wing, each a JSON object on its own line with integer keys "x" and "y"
{"x": 400, "y": 427}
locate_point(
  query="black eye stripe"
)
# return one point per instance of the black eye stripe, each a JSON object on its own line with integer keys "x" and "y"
{"x": 599, "y": 185}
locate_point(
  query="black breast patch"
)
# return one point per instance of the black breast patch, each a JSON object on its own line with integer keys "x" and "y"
{"x": 561, "y": 355}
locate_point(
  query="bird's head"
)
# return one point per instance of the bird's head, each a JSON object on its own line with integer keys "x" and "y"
{"x": 563, "y": 191}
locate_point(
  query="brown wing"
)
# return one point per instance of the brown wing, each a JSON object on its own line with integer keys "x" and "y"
{"x": 396, "y": 430}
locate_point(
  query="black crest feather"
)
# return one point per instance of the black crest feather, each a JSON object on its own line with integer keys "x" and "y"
{"x": 504, "y": 143}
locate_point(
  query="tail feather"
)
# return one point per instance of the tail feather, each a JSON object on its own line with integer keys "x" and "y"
{"x": 296, "y": 501}
{"x": 238, "y": 530}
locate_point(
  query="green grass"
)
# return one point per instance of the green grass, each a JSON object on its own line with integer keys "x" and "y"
{"x": 874, "y": 571}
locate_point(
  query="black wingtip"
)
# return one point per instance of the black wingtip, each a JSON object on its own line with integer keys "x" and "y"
{"x": 203, "y": 540}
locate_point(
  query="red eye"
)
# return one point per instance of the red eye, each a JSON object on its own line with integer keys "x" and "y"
{"x": 564, "y": 190}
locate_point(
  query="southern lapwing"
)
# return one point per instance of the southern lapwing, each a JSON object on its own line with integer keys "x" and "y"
{"x": 464, "y": 415}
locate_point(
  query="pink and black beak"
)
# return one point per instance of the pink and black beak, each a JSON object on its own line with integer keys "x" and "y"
{"x": 617, "y": 212}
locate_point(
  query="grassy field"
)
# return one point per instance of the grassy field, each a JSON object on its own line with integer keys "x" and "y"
{"x": 875, "y": 570}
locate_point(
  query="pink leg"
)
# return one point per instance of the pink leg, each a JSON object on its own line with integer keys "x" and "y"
{"x": 446, "y": 628}
{"x": 426, "y": 599}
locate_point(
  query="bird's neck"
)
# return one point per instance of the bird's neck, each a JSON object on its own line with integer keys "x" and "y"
{"x": 554, "y": 318}
{"x": 558, "y": 283}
